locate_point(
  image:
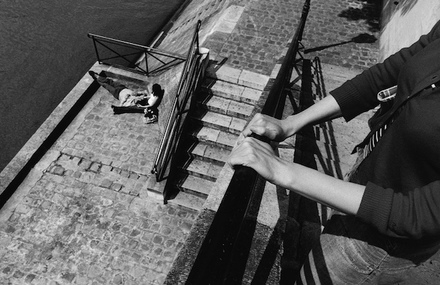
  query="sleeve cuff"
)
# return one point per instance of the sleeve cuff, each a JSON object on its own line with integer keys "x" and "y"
{"x": 376, "y": 206}
{"x": 345, "y": 97}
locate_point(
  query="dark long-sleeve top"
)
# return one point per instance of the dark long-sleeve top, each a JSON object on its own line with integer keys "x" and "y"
{"x": 402, "y": 173}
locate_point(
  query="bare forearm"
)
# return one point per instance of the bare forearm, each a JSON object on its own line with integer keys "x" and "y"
{"x": 324, "y": 110}
{"x": 327, "y": 190}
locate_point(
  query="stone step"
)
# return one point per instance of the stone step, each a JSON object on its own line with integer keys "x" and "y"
{"x": 188, "y": 200}
{"x": 233, "y": 75}
{"x": 226, "y": 106}
{"x": 216, "y": 137}
{"x": 196, "y": 186}
{"x": 202, "y": 169}
{"x": 231, "y": 91}
{"x": 219, "y": 121}
{"x": 210, "y": 153}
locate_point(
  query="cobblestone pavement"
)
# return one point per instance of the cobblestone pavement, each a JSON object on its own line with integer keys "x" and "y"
{"x": 343, "y": 32}
{"x": 340, "y": 32}
{"x": 86, "y": 217}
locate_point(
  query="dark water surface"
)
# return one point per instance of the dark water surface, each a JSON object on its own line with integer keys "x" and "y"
{"x": 44, "y": 51}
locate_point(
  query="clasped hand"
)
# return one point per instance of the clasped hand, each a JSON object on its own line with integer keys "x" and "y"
{"x": 256, "y": 154}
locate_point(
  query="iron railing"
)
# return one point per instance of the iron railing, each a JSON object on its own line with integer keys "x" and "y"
{"x": 191, "y": 74}
{"x": 224, "y": 252}
{"x": 118, "y": 52}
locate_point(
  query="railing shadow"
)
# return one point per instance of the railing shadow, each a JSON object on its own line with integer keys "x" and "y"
{"x": 329, "y": 166}
{"x": 361, "y": 38}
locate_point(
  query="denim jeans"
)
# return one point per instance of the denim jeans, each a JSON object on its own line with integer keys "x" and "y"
{"x": 351, "y": 252}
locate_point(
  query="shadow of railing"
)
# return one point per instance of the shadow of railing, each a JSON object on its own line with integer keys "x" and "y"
{"x": 361, "y": 38}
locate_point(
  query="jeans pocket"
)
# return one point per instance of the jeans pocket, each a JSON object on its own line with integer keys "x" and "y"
{"x": 358, "y": 256}
{"x": 354, "y": 261}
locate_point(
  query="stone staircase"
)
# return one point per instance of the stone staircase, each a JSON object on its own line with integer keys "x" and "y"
{"x": 218, "y": 115}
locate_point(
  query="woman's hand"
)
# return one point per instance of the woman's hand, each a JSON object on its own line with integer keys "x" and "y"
{"x": 266, "y": 126}
{"x": 257, "y": 155}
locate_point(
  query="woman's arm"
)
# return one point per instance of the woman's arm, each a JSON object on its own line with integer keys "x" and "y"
{"x": 338, "y": 194}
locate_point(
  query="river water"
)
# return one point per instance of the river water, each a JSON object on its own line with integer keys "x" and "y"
{"x": 44, "y": 51}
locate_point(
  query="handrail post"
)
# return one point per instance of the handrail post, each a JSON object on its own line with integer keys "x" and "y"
{"x": 96, "y": 49}
{"x": 147, "y": 66}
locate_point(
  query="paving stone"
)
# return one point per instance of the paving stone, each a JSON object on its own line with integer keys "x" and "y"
{"x": 227, "y": 139}
{"x": 196, "y": 184}
{"x": 237, "y": 125}
{"x": 227, "y": 90}
{"x": 189, "y": 201}
{"x": 203, "y": 169}
{"x": 200, "y": 149}
{"x": 218, "y": 120}
{"x": 250, "y": 96}
{"x": 224, "y": 73}
{"x": 216, "y": 154}
{"x": 208, "y": 134}
{"x": 239, "y": 109}
{"x": 218, "y": 104}
{"x": 253, "y": 80}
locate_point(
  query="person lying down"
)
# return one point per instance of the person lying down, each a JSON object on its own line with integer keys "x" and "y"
{"x": 132, "y": 101}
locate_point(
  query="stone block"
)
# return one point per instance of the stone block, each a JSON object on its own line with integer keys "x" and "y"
{"x": 224, "y": 73}
{"x": 253, "y": 80}
{"x": 250, "y": 96}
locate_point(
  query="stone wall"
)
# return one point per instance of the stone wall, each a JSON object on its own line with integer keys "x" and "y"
{"x": 404, "y": 21}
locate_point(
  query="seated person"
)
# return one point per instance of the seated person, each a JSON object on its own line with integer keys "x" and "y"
{"x": 151, "y": 112}
{"x": 132, "y": 101}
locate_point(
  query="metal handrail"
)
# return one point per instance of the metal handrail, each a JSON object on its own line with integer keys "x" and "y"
{"x": 188, "y": 83}
{"x": 162, "y": 59}
{"x": 223, "y": 255}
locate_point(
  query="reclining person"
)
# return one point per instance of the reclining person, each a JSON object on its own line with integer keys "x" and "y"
{"x": 132, "y": 101}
